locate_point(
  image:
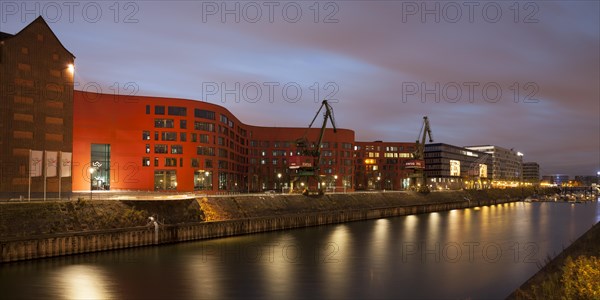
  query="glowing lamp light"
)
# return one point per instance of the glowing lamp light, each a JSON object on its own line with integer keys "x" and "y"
{"x": 71, "y": 68}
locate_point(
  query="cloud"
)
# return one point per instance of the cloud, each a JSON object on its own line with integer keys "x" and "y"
{"x": 546, "y": 55}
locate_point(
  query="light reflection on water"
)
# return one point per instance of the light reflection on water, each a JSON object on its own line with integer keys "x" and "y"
{"x": 484, "y": 252}
{"x": 81, "y": 282}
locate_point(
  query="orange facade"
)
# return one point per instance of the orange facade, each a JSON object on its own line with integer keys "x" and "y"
{"x": 151, "y": 143}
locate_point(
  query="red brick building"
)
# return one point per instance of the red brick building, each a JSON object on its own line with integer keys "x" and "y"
{"x": 163, "y": 144}
{"x": 36, "y": 106}
{"x": 380, "y": 165}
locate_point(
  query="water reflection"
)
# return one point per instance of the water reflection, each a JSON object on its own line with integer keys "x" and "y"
{"x": 82, "y": 282}
{"x": 484, "y": 252}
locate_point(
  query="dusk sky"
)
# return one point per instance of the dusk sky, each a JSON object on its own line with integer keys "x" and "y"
{"x": 522, "y": 75}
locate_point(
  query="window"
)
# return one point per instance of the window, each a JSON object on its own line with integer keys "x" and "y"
{"x": 147, "y": 148}
{"x": 204, "y": 138}
{"x": 156, "y": 135}
{"x": 177, "y": 111}
{"x": 169, "y": 136}
{"x": 160, "y": 148}
{"x": 224, "y": 119}
{"x": 183, "y": 124}
{"x": 146, "y": 135}
{"x": 165, "y": 180}
{"x": 156, "y": 161}
{"x": 194, "y": 137}
{"x": 146, "y": 162}
{"x": 223, "y": 164}
{"x": 223, "y": 130}
{"x": 205, "y": 151}
{"x": 170, "y": 162}
{"x": 208, "y": 163}
{"x": 147, "y": 109}
{"x": 159, "y": 110}
{"x": 222, "y": 152}
{"x": 176, "y": 149}
{"x": 164, "y": 123}
{"x": 221, "y": 141}
{"x": 195, "y": 163}
{"x": 182, "y": 136}
{"x": 204, "y": 114}
{"x": 204, "y": 126}
{"x": 100, "y": 159}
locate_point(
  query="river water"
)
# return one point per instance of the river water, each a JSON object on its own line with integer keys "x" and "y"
{"x": 478, "y": 253}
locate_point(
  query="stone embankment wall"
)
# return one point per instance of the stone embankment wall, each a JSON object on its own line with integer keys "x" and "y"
{"x": 37, "y": 230}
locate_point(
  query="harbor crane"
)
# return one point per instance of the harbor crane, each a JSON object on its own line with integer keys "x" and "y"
{"x": 419, "y": 178}
{"x": 307, "y": 161}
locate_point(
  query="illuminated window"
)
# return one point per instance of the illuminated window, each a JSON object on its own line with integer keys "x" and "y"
{"x": 176, "y": 149}
{"x": 160, "y": 148}
{"x": 170, "y": 162}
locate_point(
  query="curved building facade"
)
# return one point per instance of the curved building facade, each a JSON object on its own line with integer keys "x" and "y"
{"x": 164, "y": 144}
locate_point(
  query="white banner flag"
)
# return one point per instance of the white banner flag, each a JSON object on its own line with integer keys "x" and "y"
{"x": 65, "y": 164}
{"x": 35, "y": 163}
{"x": 51, "y": 163}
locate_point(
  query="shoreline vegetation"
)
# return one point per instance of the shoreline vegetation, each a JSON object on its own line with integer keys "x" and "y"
{"x": 27, "y": 220}
{"x": 573, "y": 274}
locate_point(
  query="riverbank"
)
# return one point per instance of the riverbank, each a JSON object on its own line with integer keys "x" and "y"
{"x": 36, "y": 230}
{"x": 552, "y": 283}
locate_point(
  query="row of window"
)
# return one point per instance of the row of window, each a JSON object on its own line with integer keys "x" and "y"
{"x": 182, "y": 112}
{"x": 195, "y": 162}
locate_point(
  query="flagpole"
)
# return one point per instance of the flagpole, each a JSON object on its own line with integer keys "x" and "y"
{"x": 45, "y": 172}
{"x": 58, "y": 171}
{"x": 29, "y": 186}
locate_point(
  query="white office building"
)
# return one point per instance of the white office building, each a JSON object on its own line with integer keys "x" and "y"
{"x": 507, "y": 164}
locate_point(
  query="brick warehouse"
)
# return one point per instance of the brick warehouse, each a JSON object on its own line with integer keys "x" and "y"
{"x": 146, "y": 143}
{"x": 36, "y": 104}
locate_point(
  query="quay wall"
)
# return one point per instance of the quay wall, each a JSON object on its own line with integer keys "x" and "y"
{"x": 214, "y": 217}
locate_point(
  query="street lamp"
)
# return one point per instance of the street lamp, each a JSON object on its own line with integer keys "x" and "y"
{"x": 92, "y": 170}
{"x": 279, "y": 181}
{"x": 335, "y": 177}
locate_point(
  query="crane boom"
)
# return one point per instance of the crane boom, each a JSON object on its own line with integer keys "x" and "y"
{"x": 419, "y": 178}
{"x": 307, "y": 163}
